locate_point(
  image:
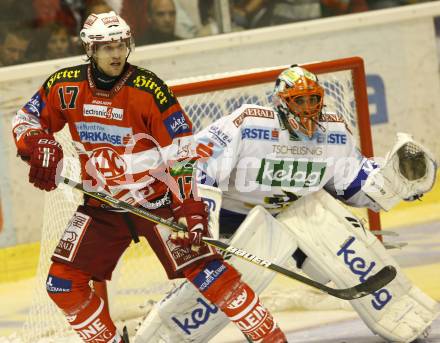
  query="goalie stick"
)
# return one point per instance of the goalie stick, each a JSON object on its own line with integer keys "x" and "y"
{"x": 370, "y": 285}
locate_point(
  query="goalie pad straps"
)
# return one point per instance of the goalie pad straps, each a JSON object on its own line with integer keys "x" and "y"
{"x": 220, "y": 283}
{"x": 84, "y": 310}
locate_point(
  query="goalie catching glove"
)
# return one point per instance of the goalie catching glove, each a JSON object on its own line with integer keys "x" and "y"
{"x": 409, "y": 172}
{"x": 43, "y": 153}
{"x": 192, "y": 214}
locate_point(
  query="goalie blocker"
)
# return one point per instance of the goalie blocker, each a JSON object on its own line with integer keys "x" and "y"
{"x": 318, "y": 235}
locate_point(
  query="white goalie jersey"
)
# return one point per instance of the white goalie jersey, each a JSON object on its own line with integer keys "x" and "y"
{"x": 254, "y": 160}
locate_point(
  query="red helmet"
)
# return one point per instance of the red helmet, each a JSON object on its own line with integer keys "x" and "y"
{"x": 298, "y": 98}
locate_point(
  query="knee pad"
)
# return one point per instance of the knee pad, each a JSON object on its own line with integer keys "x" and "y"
{"x": 67, "y": 286}
{"x": 216, "y": 280}
{"x": 84, "y": 310}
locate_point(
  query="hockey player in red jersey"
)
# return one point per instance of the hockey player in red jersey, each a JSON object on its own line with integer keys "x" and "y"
{"x": 135, "y": 143}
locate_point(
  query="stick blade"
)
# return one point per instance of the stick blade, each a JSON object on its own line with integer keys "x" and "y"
{"x": 375, "y": 282}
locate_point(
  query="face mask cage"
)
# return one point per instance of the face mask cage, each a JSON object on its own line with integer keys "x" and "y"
{"x": 304, "y": 108}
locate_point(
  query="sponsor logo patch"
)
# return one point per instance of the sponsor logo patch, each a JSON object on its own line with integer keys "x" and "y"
{"x": 259, "y": 133}
{"x": 253, "y": 112}
{"x": 182, "y": 256}
{"x": 290, "y": 173}
{"x": 108, "y": 163}
{"x": 199, "y": 316}
{"x": 24, "y": 118}
{"x": 103, "y": 134}
{"x": 332, "y": 118}
{"x": 97, "y": 331}
{"x": 209, "y": 275}
{"x": 239, "y": 301}
{"x": 62, "y": 75}
{"x": 68, "y": 245}
{"x": 57, "y": 285}
{"x": 34, "y": 105}
{"x": 362, "y": 268}
{"x": 156, "y": 88}
{"x": 257, "y": 323}
{"x": 177, "y": 125}
{"x": 296, "y": 150}
{"x": 217, "y": 135}
{"x": 110, "y": 20}
{"x": 331, "y": 138}
{"x": 246, "y": 255}
{"x": 90, "y": 20}
{"x": 105, "y": 112}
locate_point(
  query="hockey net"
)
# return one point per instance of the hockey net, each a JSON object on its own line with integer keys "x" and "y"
{"x": 139, "y": 279}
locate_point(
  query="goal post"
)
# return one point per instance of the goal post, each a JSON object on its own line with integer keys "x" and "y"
{"x": 139, "y": 278}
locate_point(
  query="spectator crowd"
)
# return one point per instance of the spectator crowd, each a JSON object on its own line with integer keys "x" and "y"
{"x": 35, "y": 30}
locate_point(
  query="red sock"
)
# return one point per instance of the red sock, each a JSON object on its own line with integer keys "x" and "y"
{"x": 84, "y": 310}
{"x": 93, "y": 323}
{"x": 252, "y": 318}
{"x": 220, "y": 283}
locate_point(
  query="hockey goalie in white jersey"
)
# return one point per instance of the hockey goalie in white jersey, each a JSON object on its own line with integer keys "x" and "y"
{"x": 277, "y": 172}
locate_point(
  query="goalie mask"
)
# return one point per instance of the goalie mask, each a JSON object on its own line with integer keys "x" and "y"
{"x": 298, "y": 99}
{"x": 105, "y": 28}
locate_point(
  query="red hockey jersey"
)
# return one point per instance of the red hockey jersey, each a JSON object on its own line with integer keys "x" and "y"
{"x": 126, "y": 138}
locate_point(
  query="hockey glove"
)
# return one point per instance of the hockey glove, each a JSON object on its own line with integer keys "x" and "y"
{"x": 43, "y": 153}
{"x": 193, "y": 214}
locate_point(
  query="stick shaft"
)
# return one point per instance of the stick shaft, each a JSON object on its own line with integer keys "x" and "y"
{"x": 372, "y": 284}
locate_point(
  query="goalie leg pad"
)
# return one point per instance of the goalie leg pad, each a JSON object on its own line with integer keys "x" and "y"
{"x": 309, "y": 266}
{"x": 184, "y": 315}
{"x": 348, "y": 254}
{"x": 189, "y": 315}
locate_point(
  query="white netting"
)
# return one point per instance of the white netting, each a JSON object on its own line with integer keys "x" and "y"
{"x": 205, "y": 108}
{"x": 139, "y": 277}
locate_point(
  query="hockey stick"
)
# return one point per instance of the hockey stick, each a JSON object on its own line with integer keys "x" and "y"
{"x": 372, "y": 284}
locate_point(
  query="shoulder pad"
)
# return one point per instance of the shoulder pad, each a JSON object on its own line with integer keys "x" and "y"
{"x": 70, "y": 74}
{"x": 252, "y": 111}
{"x": 147, "y": 81}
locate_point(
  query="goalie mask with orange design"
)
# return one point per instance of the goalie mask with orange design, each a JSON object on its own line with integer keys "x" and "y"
{"x": 298, "y": 98}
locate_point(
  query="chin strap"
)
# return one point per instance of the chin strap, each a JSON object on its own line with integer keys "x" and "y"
{"x": 323, "y": 129}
